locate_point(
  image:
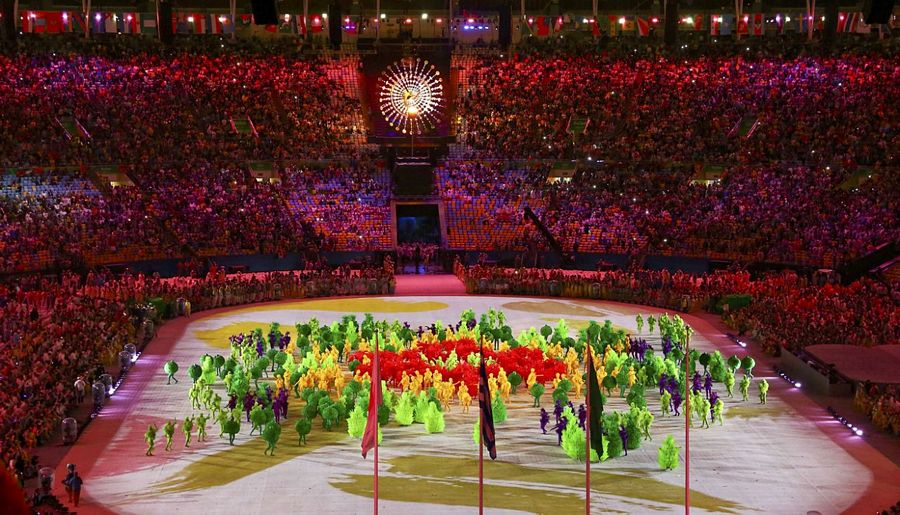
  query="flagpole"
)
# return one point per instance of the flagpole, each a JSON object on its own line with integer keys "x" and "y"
{"x": 481, "y": 437}
{"x": 687, "y": 429}
{"x": 587, "y": 436}
{"x": 378, "y": 375}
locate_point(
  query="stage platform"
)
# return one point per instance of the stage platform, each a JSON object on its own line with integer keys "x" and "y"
{"x": 787, "y": 456}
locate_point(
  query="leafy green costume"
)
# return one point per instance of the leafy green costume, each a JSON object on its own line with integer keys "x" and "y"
{"x": 169, "y": 433}
{"x": 745, "y": 387}
{"x": 271, "y": 433}
{"x": 763, "y": 390}
{"x": 303, "y": 426}
{"x": 667, "y": 457}
{"x": 729, "y": 382}
{"x": 187, "y": 428}
{"x": 201, "y": 427}
{"x": 232, "y": 426}
{"x": 717, "y": 411}
{"x": 150, "y": 438}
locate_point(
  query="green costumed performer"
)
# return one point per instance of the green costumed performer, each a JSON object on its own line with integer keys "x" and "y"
{"x": 201, "y": 427}
{"x": 665, "y": 402}
{"x": 763, "y": 390}
{"x": 704, "y": 411}
{"x": 150, "y": 438}
{"x": 717, "y": 411}
{"x": 196, "y": 392}
{"x": 303, "y": 426}
{"x": 171, "y": 367}
{"x": 258, "y": 418}
{"x": 645, "y": 420}
{"x": 187, "y": 428}
{"x": 271, "y": 433}
{"x": 640, "y": 322}
{"x": 222, "y": 418}
{"x": 729, "y": 382}
{"x": 745, "y": 387}
{"x": 232, "y": 426}
{"x": 169, "y": 433}
{"x": 650, "y": 323}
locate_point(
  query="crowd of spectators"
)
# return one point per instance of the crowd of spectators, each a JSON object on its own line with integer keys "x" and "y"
{"x": 783, "y": 311}
{"x": 53, "y": 331}
{"x": 775, "y": 213}
{"x": 812, "y": 110}
{"x": 881, "y": 404}
{"x": 221, "y": 210}
{"x": 157, "y": 109}
{"x": 56, "y": 220}
{"x": 349, "y": 205}
{"x": 786, "y": 313}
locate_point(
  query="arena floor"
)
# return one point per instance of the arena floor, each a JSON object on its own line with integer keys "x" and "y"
{"x": 787, "y": 456}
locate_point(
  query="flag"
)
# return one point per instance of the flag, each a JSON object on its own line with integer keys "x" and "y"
{"x": 109, "y": 23}
{"x": 488, "y": 437}
{"x": 758, "y": 24}
{"x": 370, "y": 437}
{"x": 542, "y": 28}
{"x": 726, "y": 24}
{"x": 643, "y": 25}
{"x": 54, "y": 22}
{"x": 698, "y": 22}
{"x": 77, "y": 23}
{"x": 742, "y": 25}
{"x": 128, "y": 23}
{"x": 596, "y": 407}
{"x": 861, "y": 26}
{"x": 148, "y": 23}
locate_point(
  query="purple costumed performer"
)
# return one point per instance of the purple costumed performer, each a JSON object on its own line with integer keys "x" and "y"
{"x": 676, "y": 402}
{"x": 545, "y": 419}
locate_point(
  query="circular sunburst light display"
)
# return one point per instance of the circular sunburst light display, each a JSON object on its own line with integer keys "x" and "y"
{"x": 411, "y": 95}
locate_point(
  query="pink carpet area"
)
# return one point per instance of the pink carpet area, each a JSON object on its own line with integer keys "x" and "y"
{"x": 443, "y": 284}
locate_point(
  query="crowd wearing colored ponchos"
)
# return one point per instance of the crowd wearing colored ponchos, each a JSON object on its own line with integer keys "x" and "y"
{"x": 147, "y": 108}
{"x": 776, "y": 213}
{"x": 53, "y": 220}
{"x": 813, "y": 110}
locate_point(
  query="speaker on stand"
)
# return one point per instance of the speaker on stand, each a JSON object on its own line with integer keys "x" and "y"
{"x": 877, "y": 11}
{"x": 264, "y": 12}
{"x": 671, "y": 23}
{"x": 335, "y": 33}
{"x": 505, "y": 26}
{"x": 164, "y": 22}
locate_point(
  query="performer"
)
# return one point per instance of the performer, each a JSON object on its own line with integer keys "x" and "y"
{"x": 763, "y": 386}
{"x": 187, "y": 428}
{"x": 171, "y": 368}
{"x": 169, "y": 433}
{"x": 150, "y": 438}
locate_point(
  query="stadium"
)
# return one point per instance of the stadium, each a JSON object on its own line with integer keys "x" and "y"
{"x": 567, "y": 256}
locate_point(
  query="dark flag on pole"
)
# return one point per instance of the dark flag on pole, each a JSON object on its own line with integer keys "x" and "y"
{"x": 370, "y": 436}
{"x": 595, "y": 401}
{"x": 487, "y": 417}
